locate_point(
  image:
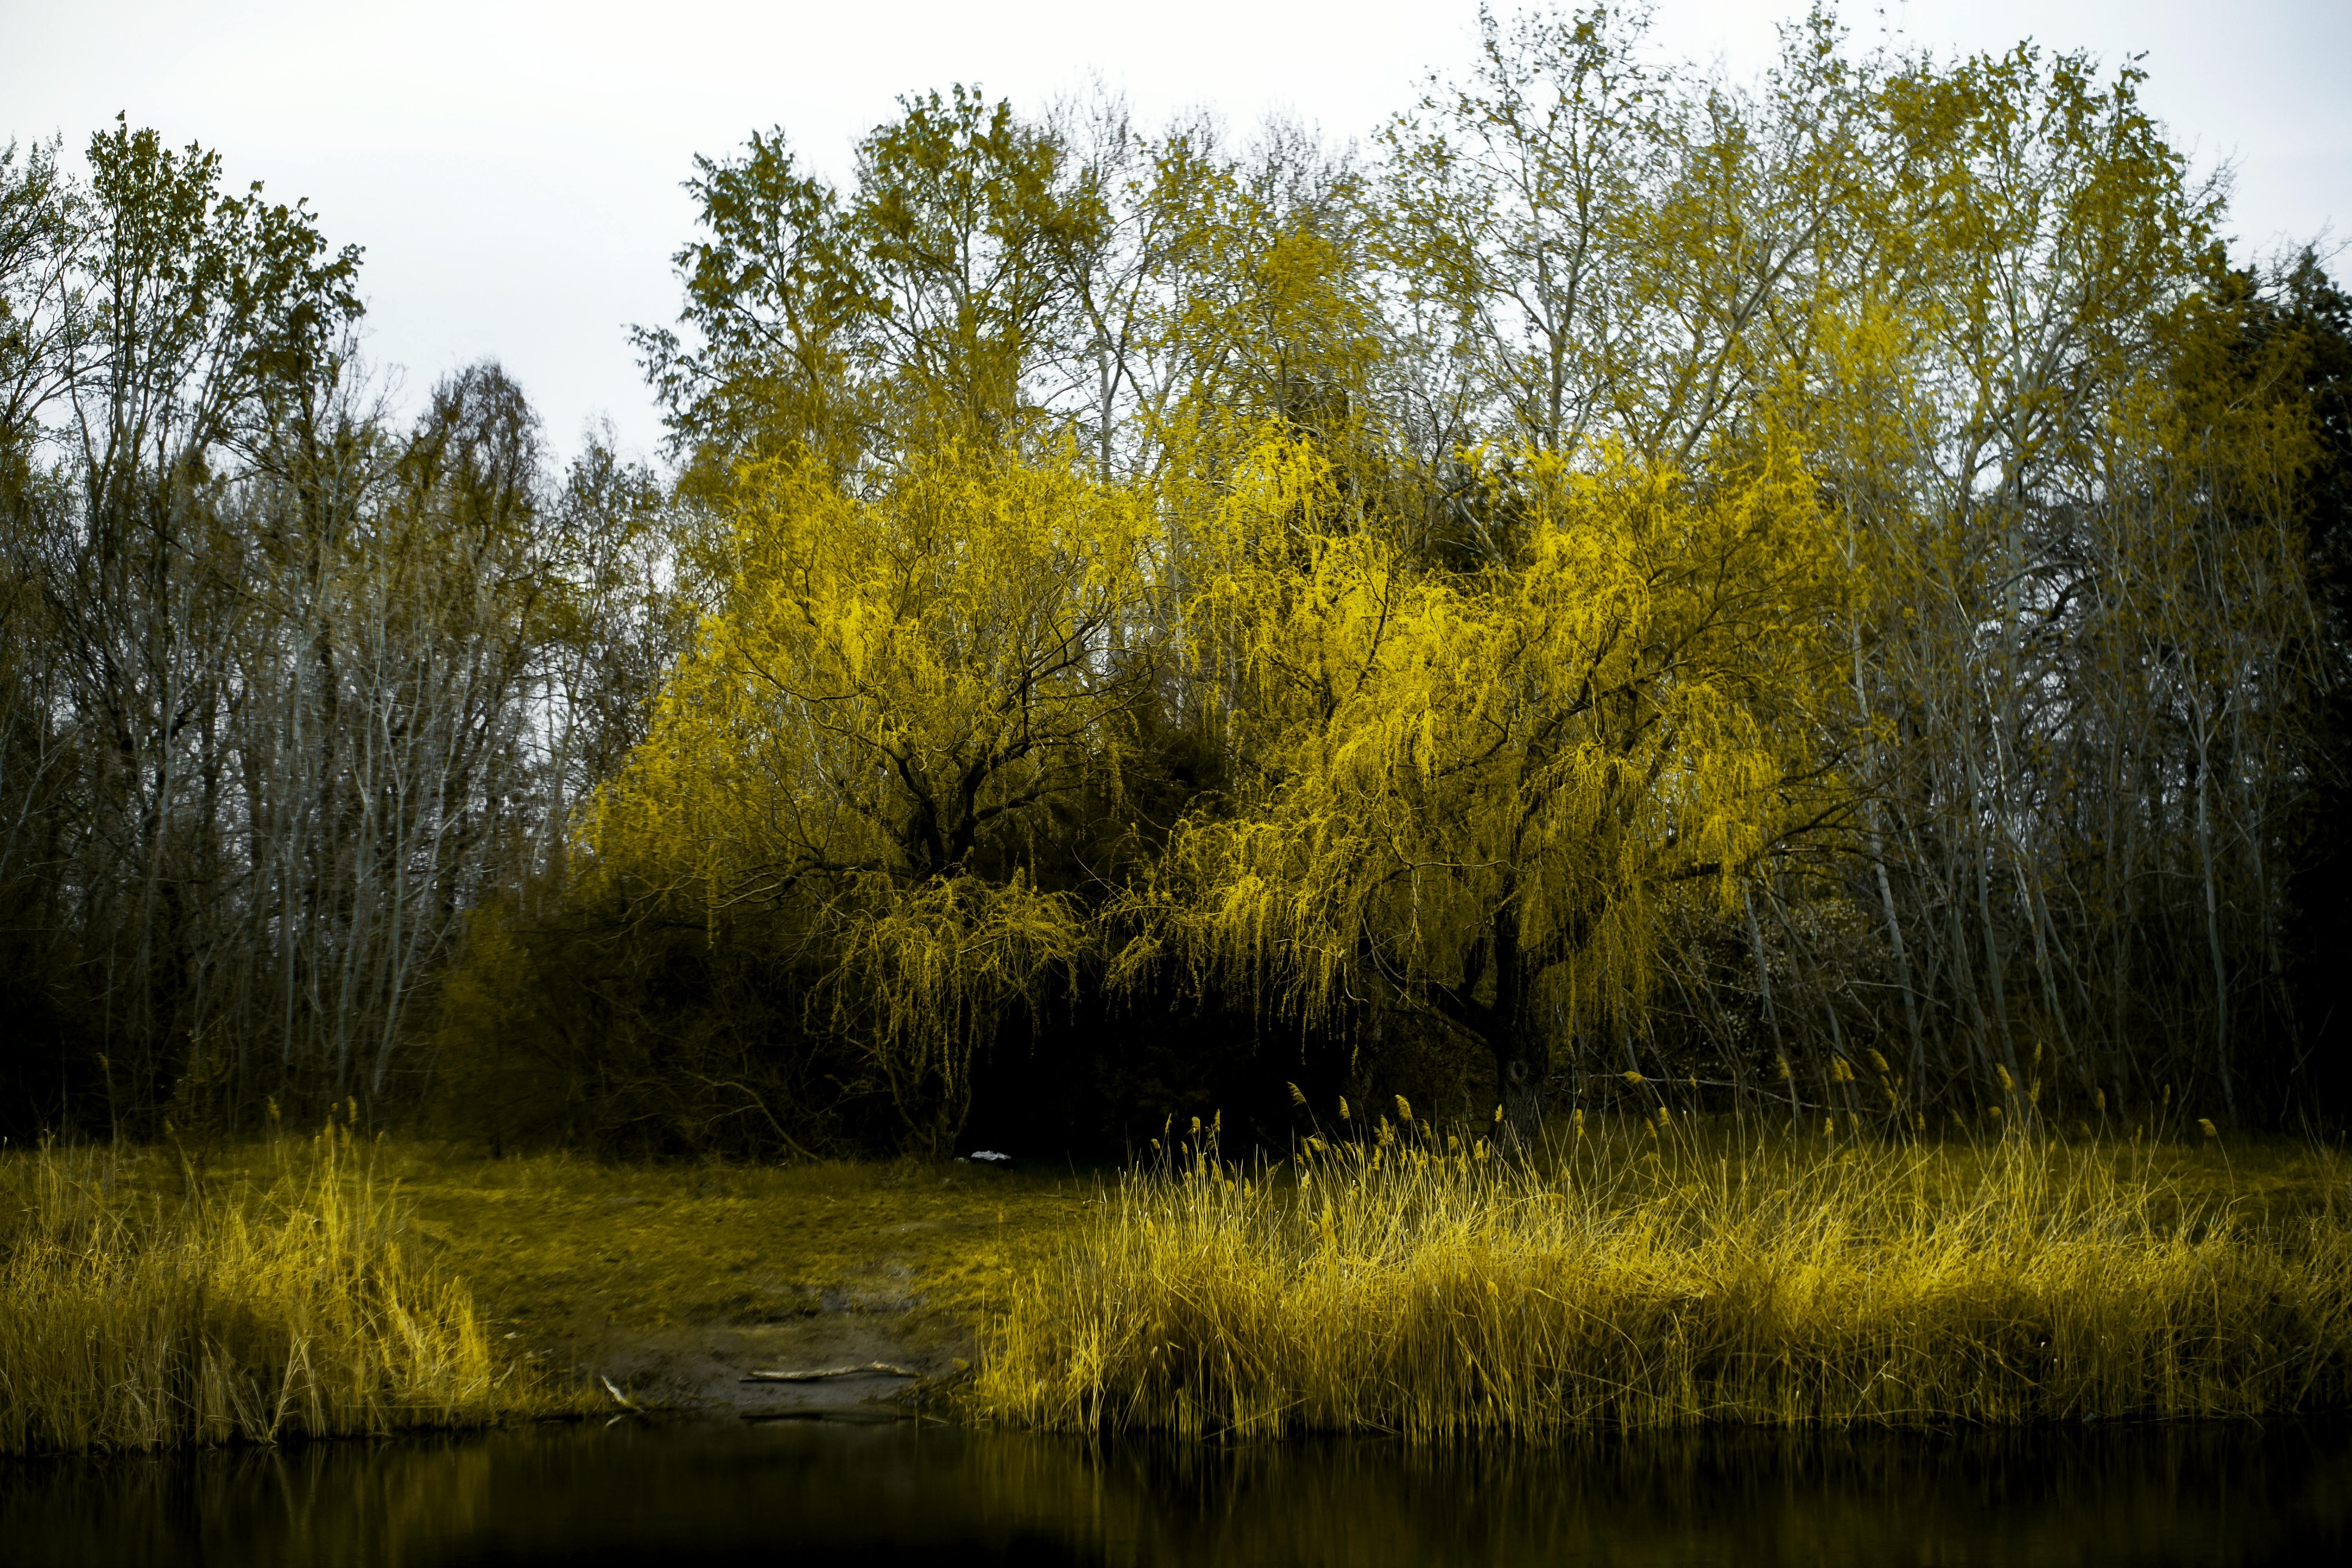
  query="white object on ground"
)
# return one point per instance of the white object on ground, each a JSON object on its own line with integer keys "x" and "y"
{"x": 886, "y": 1369}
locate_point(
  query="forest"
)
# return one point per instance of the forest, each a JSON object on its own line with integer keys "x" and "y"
{"x": 1614, "y": 591}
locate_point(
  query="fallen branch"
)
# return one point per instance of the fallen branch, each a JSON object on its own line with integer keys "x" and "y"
{"x": 886, "y": 1369}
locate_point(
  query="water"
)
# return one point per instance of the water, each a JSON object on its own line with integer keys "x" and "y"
{"x": 821, "y": 1493}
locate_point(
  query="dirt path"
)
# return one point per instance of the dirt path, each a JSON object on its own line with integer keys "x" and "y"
{"x": 675, "y": 1282}
{"x": 703, "y": 1367}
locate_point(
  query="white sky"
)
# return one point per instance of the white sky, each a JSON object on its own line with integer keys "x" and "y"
{"x": 512, "y": 166}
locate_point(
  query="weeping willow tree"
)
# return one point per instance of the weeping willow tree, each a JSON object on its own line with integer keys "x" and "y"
{"x": 875, "y": 731}
{"x": 1471, "y": 792}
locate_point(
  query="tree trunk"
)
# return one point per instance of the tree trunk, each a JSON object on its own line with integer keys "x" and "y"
{"x": 1522, "y": 1061}
{"x": 1516, "y": 1036}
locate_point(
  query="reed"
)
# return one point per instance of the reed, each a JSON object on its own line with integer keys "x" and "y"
{"x": 232, "y": 1312}
{"x": 1658, "y": 1275}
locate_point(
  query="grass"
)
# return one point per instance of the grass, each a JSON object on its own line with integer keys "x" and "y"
{"x": 1658, "y": 1277}
{"x": 161, "y": 1297}
{"x": 1645, "y": 1276}
{"x": 562, "y": 1249}
{"x": 133, "y": 1320}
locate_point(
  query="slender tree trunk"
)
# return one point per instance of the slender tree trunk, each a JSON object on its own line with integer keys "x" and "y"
{"x": 2213, "y": 927}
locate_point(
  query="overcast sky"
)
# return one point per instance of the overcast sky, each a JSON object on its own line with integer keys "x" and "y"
{"x": 512, "y": 167}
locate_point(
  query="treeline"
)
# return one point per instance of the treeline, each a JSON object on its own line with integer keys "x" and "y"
{"x": 289, "y": 685}
{"x": 1828, "y": 595}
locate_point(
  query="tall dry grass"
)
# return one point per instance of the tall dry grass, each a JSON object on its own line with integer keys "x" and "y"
{"x": 1658, "y": 1277}
{"x": 130, "y": 1320}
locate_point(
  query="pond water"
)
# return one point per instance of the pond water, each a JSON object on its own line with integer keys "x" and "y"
{"x": 835, "y": 1492}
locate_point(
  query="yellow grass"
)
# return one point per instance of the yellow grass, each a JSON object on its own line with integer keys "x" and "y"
{"x": 563, "y": 1250}
{"x": 155, "y": 1296}
{"x": 133, "y": 1320}
{"x": 1653, "y": 1277}
{"x": 1659, "y": 1277}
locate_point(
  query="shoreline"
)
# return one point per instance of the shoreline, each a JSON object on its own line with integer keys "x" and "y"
{"x": 663, "y": 1285}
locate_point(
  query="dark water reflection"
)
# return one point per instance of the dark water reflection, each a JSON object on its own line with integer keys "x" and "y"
{"x": 804, "y": 1493}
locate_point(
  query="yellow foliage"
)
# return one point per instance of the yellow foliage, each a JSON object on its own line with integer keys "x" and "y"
{"x": 1477, "y": 788}
{"x": 895, "y": 691}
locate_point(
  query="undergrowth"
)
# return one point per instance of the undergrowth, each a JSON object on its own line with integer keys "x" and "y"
{"x": 1660, "y": 1275}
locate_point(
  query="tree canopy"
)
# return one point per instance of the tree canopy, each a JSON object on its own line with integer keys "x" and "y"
{"x": 1471, "y": 791}
{"x": 879, "y": 723}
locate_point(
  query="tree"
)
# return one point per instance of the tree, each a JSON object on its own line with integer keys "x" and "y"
{"x": 1471, "y": 792}
{"x": 923, "y": 307}
{"x": 1511, "y": 208}
{"x": 2318, "y": 313}
{"x": 875, "y": 731}
{"x": 204, "y": 309}
{"x": 172, "y": 325}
